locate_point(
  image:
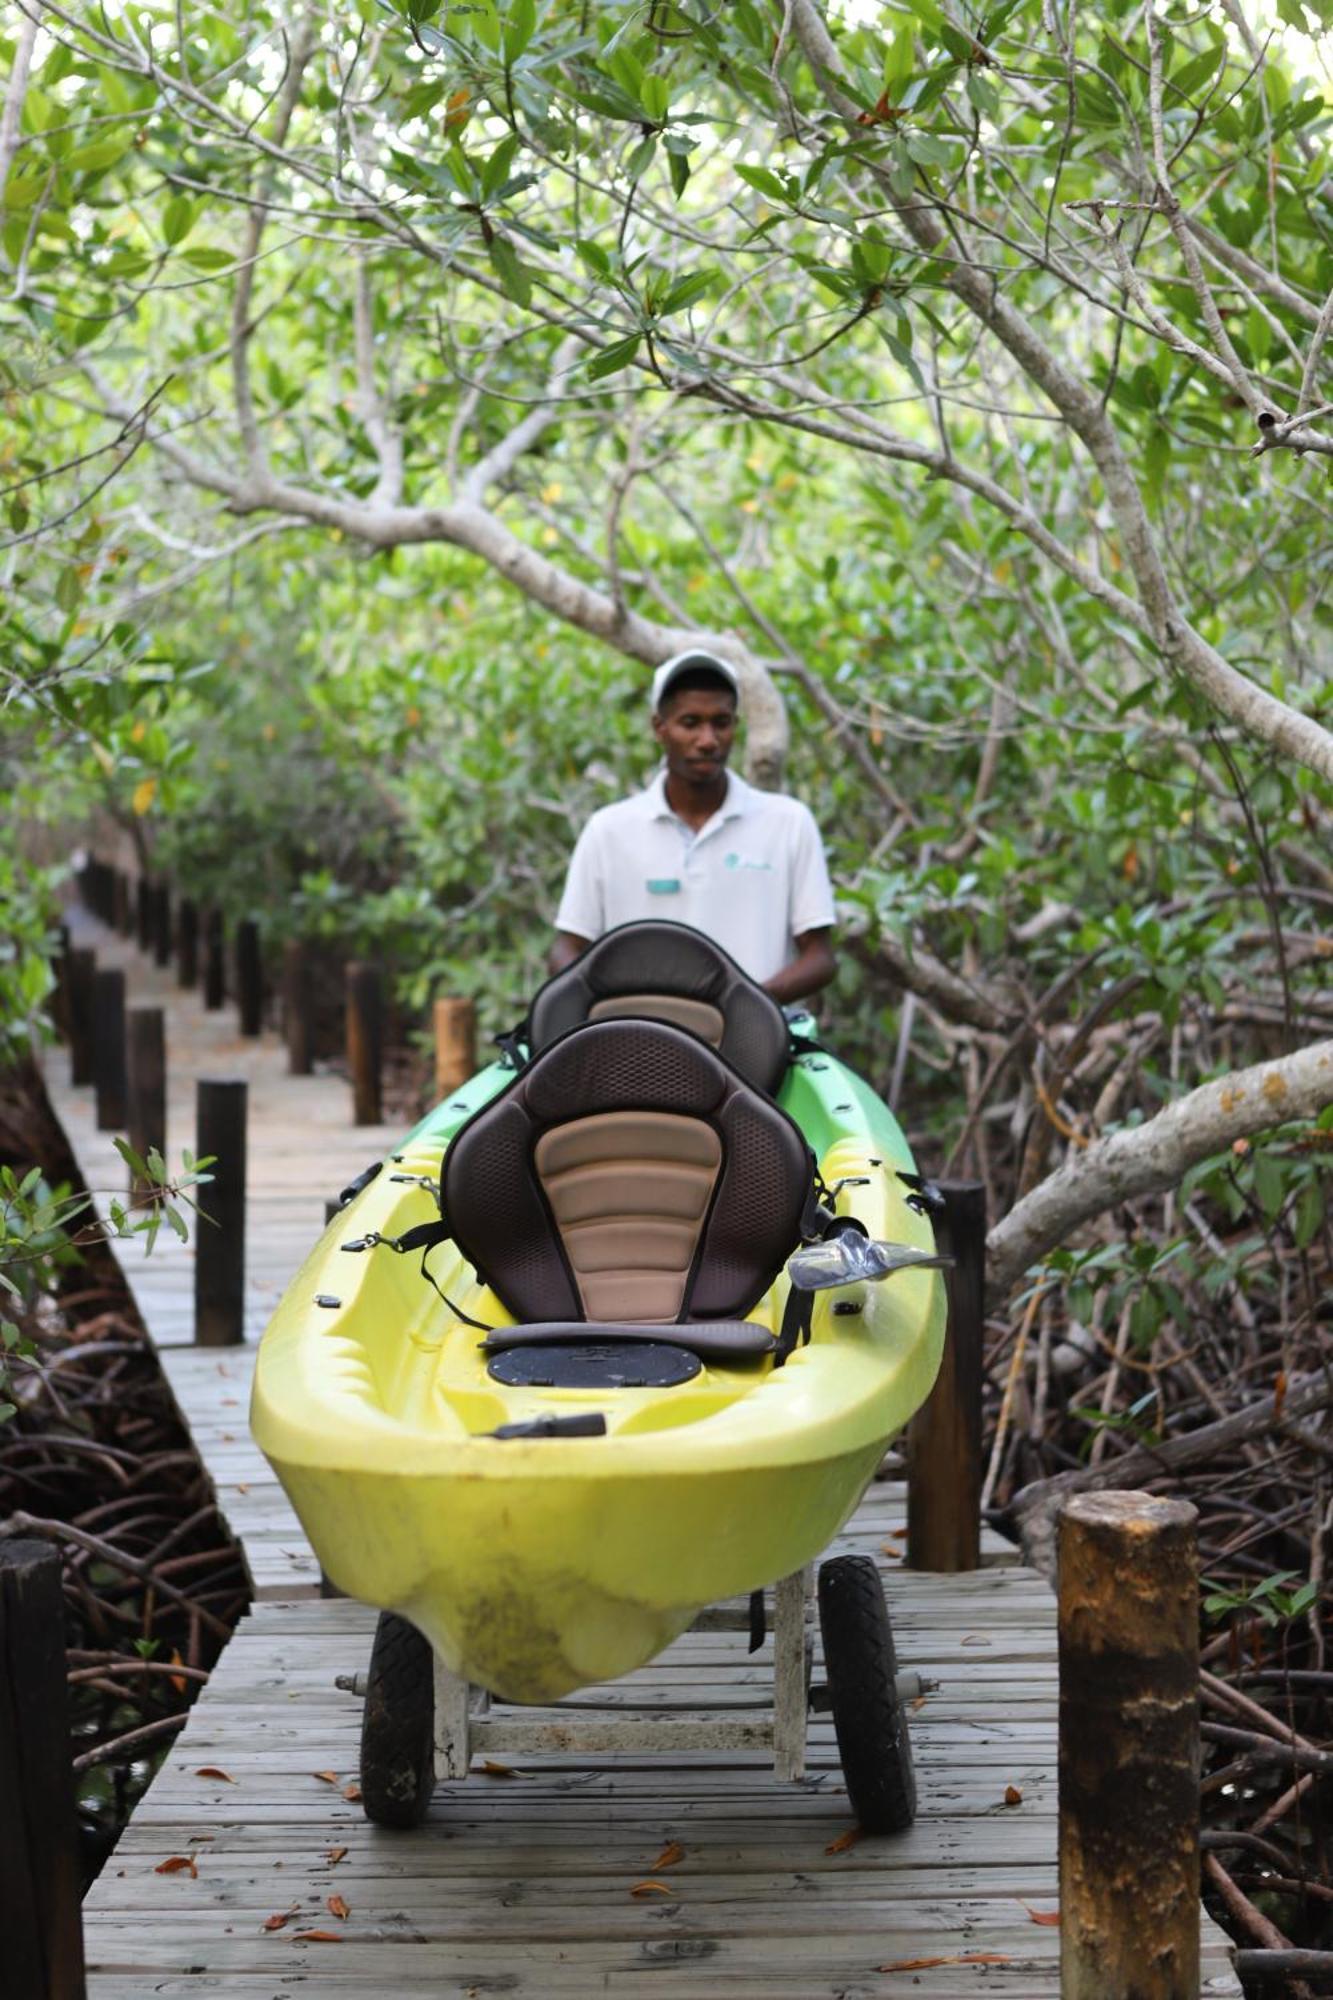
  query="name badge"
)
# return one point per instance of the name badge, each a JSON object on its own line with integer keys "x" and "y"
{"x": 663, "y": 885}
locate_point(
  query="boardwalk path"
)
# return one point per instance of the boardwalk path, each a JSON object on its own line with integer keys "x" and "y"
{"x": 524, "y": 1883}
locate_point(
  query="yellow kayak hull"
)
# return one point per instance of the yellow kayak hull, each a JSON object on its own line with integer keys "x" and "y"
{"x": 536, "y": 1566}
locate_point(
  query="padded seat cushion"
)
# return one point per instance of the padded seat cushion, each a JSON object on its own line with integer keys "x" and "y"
{"x": 711, "y": 1339}
{"x": 668, "y": 972}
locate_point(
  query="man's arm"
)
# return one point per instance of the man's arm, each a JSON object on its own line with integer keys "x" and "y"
{"x": 565, "y": 950}
{"x": 811, "y": 969}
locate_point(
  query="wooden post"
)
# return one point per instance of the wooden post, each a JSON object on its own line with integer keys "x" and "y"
{"x": 365, "y": 1037}
{"x": 455, "y": 1045}
{"x": 39, "y": 1858}
{"x": 146, "y": 1075}
{"x": 1129, "y": 1749}
{"x": 298, "y": 1024}
{"x": 59, "y": 1000}
{"x": 143, "y": 914}
{"x": 249, "y": 977}
{"x": 124, "y": 921}
{"x": 219, "y": 1264}
{"x": 161, "y": 924}
{"x": 109, "y": 1048}
{"x": 944, "y": 1450}
{"x": 82, "y": 968}
{"x": 215, "y": 968}
{"x": 187, "y": 942}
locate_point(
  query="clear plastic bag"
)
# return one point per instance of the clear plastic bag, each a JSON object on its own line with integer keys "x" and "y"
{"x": 848, "y": 1257}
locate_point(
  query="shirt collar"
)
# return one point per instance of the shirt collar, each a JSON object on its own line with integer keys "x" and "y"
{"x": 740, "y": 797}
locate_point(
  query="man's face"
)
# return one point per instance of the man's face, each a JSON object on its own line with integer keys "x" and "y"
{"x": 696, "y": 729}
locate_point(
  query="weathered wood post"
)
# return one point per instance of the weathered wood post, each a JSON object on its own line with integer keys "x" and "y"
{"x": 143, "y": 914}
{"x": 161, "y": 924}
{"x": 59, "y": 1001}
{"x": 1129, "y": 1749}
{"x": 39, "y": 1860}
{"x": 146, "y": 1075}
{"x": 215, "y": 962}
{"x": 81, "y": 970}
{"x": 455, "y": 1044}
{"x": 219, "y": 1265}
{"x": 187, "y": 942}
{"x": 249, "y": 977}
{"x": 944, "y": 1442}
{"x": 365, "y": 1040}
{"x": 109, "y": 1048}
{"x": 124, "y": 904}
{"x": 298, "y": 1024}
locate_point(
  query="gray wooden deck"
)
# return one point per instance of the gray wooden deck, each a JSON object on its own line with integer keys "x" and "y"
{"x": 697, "y": 1878}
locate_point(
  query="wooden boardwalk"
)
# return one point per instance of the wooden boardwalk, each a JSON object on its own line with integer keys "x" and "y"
{"x": 698, "y": 1878}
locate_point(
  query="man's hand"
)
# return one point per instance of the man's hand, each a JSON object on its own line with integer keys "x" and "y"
{"x": 565, "y": 950}
{"x": 811, "y": 969}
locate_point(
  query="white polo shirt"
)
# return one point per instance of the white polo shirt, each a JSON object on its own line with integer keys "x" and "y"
{"x": 754, "y": 877}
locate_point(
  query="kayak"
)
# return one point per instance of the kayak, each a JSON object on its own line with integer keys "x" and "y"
{"x": 551, "y": 1427}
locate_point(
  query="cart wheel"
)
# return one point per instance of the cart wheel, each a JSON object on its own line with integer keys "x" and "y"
{"x": 867, "y": 1714}
{"x": 398, "y": 1727}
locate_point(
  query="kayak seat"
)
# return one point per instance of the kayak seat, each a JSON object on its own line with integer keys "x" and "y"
{"x": 668, "y": 972}
{"x": 629, "y": 1177}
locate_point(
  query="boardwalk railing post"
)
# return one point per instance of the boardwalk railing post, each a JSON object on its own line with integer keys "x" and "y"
{"x": 59, "y": 1000}
{"x": 1129, "y": 1749}
{"x": 81, "y": 971}
{"x": 249, "y": 977}
{"x": 297, "y": 1000}
{"x": 187, "y": 942}
{"x": 39, "y": 1863}
{"x": 455, "y": 1044}
{"x": 219, "y": 1264}
{"x": 124, "y": 919}
{"x": 161, "y": 924}
{"x": 944, "y": 1450}
{"x": 215, "y": 961}
{"x": 143, "y": 914}
{"x": 109, "y": 1048}
{"x": 146, "y": 1077}
{"x": 365, "y": 1039}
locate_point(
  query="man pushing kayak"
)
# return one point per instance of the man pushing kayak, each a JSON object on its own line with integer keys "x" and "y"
{"x": 701, "y": 847}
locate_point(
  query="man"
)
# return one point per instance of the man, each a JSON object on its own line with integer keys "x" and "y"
{"x": 701, "y": 847}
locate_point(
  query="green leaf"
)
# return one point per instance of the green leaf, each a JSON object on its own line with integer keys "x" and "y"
{"x": 513, "y": 275}
{"x": 520, "y": 24}
{"x": 612, "y": 359}
{"x": 204, "y": 259}
{"x": 103, "y": 153}
{"x": 1309, "y": 1214}
{"x": 764, "y": 181}
{"x": 678, "y": 165}
{"x": 177, "y": 219}
{"x": 686, "y": 290}
{"x": 496, "y": 170}
{"x": 69, "y": 590}
{"x": 655, "y": 97}
{"x": 1269, "y": 1184}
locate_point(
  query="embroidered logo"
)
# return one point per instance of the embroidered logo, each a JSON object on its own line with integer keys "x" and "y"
{"x": 734, "y": 860}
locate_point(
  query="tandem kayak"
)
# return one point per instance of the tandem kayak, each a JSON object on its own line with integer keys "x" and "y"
{"x": 544, "y": 1387}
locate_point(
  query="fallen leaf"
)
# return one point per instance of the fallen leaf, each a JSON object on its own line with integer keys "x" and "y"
{"x": 652, "y": 1889}
{"x": 175, "y": 1864}
{"x": 326, "y": 1777}
{"x": 1279, "y": 1394}
{"x": 317, "y": 1937}
{"x": 336, "y": 1907}
{"x": 670, "y": 1855}
{"x": 335, "y": 1855}
{"x": 352, "y": 1792}
{"x": 241, "y": 1486}
{"x": 280, "y": 1917}
{"x": 844, "y": 1841}
{"x": 491, "y": 1769}
{"x": 1051, "y": 1918}
{"x": 1012, "y": 1796}
{"x": 917, "y": 1701}
{"x": 963, "y": 1958}
{"x": 178, "y": 1681}
{"x": 212, "y": 1771}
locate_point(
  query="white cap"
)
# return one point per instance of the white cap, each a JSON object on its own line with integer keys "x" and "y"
{"x": 695, "y": 656}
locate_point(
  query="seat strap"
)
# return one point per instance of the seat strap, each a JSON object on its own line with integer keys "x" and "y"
{"x": 797, "y": 1315}
{"x": 425, "y": 1237}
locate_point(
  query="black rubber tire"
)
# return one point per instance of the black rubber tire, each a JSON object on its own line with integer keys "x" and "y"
{"x": 868, "y": 1717}
{"x": 398, "y": 1726}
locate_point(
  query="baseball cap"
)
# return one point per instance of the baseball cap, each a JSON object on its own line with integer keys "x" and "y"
{"x": 680, "y": 662}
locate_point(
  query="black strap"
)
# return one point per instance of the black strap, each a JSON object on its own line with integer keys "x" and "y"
{"x": 758, "y": 1620}
{"x": 797, "y": 1315}
{"x": 515, "y": 1043}
{"x": 425, "y": 1237}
